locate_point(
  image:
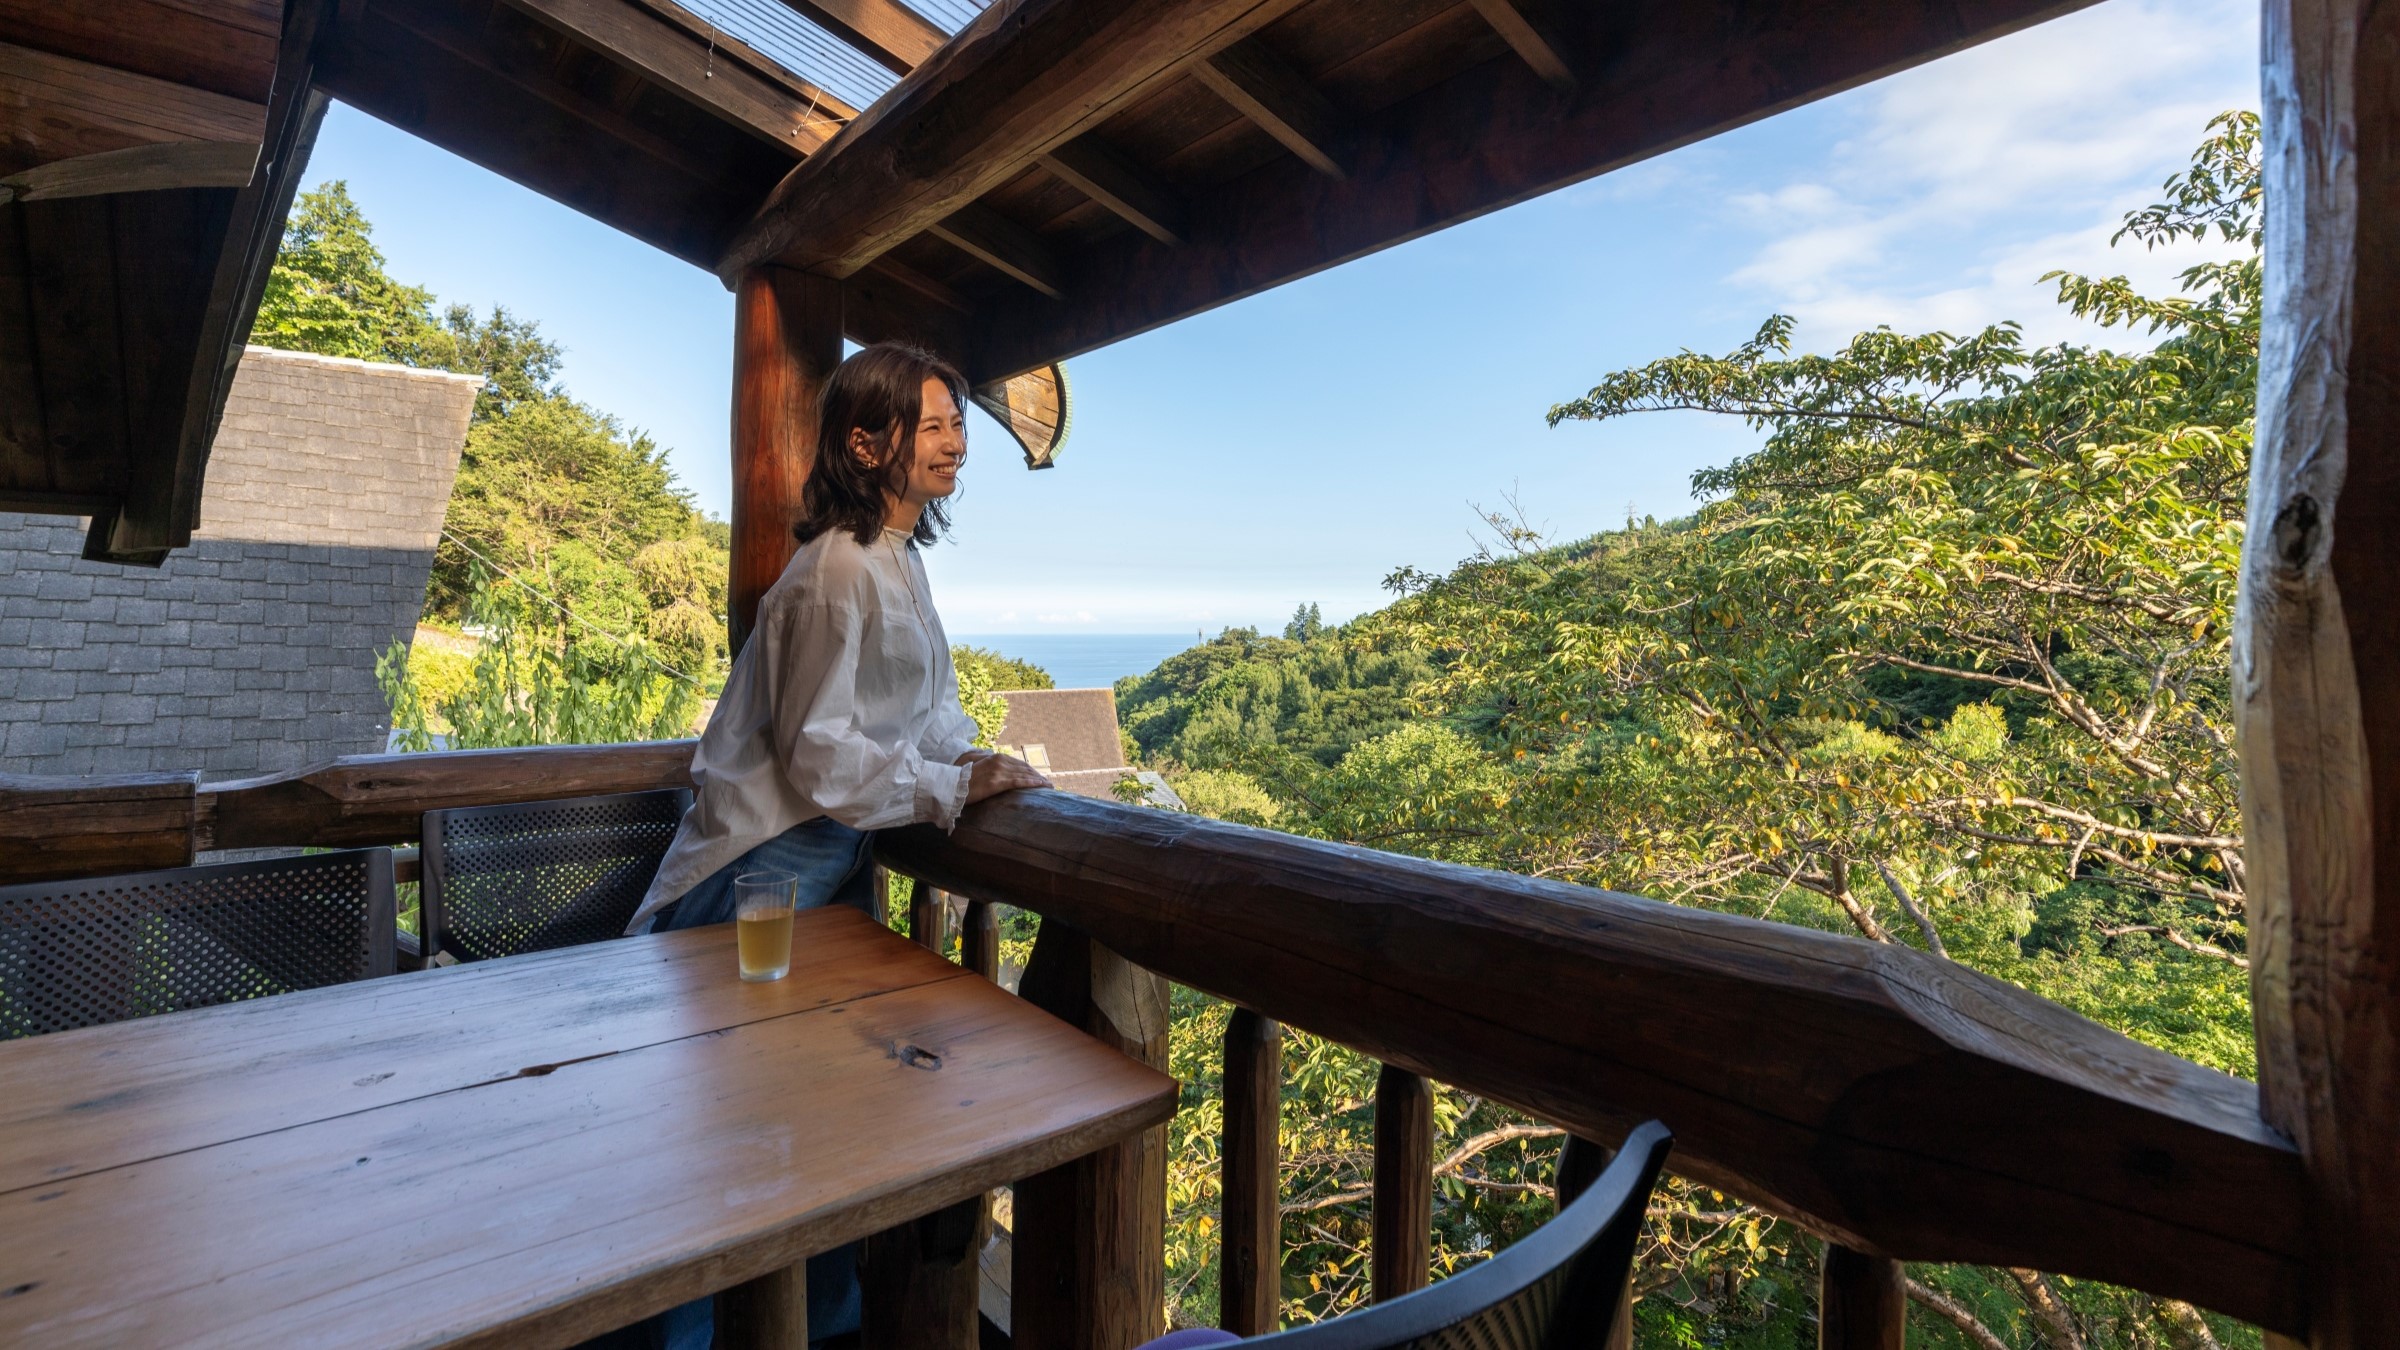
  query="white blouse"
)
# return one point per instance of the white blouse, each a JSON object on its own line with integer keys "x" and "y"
{"x": 843, "y": 703}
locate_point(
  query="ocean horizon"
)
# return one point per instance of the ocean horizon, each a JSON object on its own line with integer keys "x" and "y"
{"x": 1085, "y": 660}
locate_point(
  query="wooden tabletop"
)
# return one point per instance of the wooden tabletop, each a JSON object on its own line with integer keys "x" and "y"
{"x": 521, "y": 1152}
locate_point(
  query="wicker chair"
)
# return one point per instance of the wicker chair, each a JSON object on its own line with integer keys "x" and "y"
{"x": 1556, "y": 1289}
{"x": 105, "y": 949}
{"x": 500, "y": 880}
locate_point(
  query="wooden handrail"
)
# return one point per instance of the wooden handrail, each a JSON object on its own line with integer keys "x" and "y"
{"x": 1903, "y": 1105}
{"x": 52, "y": 828}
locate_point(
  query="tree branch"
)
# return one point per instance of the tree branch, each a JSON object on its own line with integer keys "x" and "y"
{"x": 1956, "y": 1314}
{"x": 1933, "y": 937}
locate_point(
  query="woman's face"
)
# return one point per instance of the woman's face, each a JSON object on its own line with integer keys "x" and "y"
{"x": 941, "y": 446}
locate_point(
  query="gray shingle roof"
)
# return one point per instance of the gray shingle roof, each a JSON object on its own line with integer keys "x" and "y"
{"x": 252, "y": 650}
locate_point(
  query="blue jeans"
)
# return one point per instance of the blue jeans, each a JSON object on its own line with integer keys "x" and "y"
{"x": 833, "y": 864}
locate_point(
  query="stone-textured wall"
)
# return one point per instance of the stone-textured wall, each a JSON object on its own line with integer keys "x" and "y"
{"x": 253, "y": 650}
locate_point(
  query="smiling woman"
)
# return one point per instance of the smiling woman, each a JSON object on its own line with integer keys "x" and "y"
{"x": 841, "y": 716}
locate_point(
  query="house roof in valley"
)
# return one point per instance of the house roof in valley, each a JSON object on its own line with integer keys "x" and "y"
{"x": 1075, "y": 730}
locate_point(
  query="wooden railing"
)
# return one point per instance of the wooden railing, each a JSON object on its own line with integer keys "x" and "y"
{"x": 1905, "y": 1107}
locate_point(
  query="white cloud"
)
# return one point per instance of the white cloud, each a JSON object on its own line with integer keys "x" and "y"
{"x": 1966, "y": 180}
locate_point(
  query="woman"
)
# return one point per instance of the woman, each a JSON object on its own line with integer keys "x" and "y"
{"x": 841, "y": 716}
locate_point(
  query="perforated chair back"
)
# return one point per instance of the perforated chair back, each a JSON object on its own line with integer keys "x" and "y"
{"x": 105, "y": 949}
{"x": 1555, "y": 1289}
{"x": 499, "y": 880}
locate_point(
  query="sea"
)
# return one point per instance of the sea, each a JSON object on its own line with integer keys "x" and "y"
{"x": 1084, "y": 660}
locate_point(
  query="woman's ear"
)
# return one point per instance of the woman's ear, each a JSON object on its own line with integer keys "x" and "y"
{"x": 862, "y": 447}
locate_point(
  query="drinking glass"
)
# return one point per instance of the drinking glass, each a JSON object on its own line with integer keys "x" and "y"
{"x": 762, "y": 914}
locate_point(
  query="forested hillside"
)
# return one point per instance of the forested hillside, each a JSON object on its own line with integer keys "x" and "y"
{"x": 600, "y": 586}
{"x": 1943, "y": 662}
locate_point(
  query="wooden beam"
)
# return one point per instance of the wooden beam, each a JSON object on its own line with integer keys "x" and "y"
{"x": 1250, "y": 1299}
{"x": 1261, "y": 87}
{"x": 1021, "y": 80}
{"x": 1089, "y": 1239}
{"x": 185, "y": 399}
{"x": 787, "y": 341}
{"x": 1401, "y": 1244}
{"x": 998, "y": 242}
{"x": 1675, "y": 71}
{"x": 1530, "y": 37}
{"x": 1862, "y": 1302}
{"x": 2316, "y": 656}
{"x": 480, "y": 88}
{"x": 1110, "y": 179}
{"x": 919, "y": 1281}
{"x": 57, "y": 107}
{"x": 828, "y": 104}
{"x": 222, "y": 46}
{"x": 633, "y": 35}
{"x": 82, "y": 827}
{"x": 1902, "y": 1104}
{"x": 138, "y": 168}
{"x": 888, "y": 33}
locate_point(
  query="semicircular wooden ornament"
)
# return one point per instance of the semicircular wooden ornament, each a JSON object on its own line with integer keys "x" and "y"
{"x": 1034, "y": 409}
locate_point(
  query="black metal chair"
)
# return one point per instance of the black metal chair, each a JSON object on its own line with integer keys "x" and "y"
{"x": 105, "y": 949}
{"x": 500, "y": 880}
{"x": 1555, "y": 1289}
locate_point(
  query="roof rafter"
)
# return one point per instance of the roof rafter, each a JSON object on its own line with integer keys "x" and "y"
{"x": 1123, "y": 187}
{"x": 1494, "y": 135}
{"x": 643, "y": 36}
{"x": 888, "y": 33}
{"x": 1531, "y": 37}
{"x": 1021, "y": 80}
{"x": 1265, "y": 89}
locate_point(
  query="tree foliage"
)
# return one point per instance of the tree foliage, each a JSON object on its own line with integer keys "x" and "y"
{"x": 1944, "y": 661}
{"x": 549, "y": 489}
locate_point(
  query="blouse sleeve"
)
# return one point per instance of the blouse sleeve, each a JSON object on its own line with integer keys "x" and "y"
{"x": 951, "y": 732}
{"x": 815, "y": 710}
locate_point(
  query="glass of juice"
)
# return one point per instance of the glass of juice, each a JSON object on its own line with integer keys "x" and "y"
{"x": 762, "y": 923}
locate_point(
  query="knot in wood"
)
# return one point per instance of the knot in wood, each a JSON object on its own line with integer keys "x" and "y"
{"x": 918, "y": 1057}
{"x": 2298, "y": 528}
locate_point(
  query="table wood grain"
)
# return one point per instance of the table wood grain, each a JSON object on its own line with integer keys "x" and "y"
{"x": 521, "y": 1152}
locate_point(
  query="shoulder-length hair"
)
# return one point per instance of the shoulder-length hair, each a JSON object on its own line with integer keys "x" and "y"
{"x": 881, "y": 391}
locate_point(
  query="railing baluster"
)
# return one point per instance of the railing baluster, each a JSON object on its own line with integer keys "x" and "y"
{"x": 1580, "y": 1163}
{"x": 919, "y": 1282}
{"x": 979, "y": 940}
{"x": 1862, "y": 1302}
{"x": 1401, "y": 1242}
{"x": 1090, "y": 1236}
{"x": 1250, "y": 1235}
{"x": 925, "y": 916}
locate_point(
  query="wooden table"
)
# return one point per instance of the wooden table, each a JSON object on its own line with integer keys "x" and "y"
{"x": 522, "y": 1152}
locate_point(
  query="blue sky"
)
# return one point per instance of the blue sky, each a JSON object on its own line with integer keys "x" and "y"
{"x": 1302, "y": 444}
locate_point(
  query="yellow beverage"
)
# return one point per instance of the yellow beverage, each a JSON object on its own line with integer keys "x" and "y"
{"x": 765, "y": 937}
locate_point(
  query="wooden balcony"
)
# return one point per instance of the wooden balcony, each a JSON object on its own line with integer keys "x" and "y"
{"x": 1904, "y": 1107}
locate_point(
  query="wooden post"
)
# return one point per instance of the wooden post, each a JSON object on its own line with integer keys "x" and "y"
{"x": 979, "y": 940}
{"x": 919, "y": 1282}
{"x": 1862, "y": 1302}
{"x": 768, "y": 1313}
{"x": 1251, "y": 1224}
{"x": 925, "y": 917}
{"x": 1401, "y": 1240}
{"x": 1580, "y": 1163}
{"x": 1090, "y": 1237}
{"x": 787, "y": 338}
{"x": 2316, "y": 656}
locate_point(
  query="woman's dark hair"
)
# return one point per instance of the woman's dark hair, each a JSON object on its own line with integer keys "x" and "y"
{"x": 881, "y": 391}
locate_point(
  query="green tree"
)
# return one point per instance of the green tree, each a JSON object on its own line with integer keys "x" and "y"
{"x": 1000, "y": 672}
{"x": 542, "y": 675}
{"x": 1942, "y": 662}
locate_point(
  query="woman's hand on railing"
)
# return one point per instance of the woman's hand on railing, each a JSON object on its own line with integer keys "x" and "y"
{"x": 990, "y": 775}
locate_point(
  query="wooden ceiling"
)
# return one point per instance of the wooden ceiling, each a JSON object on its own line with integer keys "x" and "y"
{"x": 1058, "y": 175}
